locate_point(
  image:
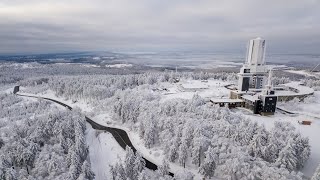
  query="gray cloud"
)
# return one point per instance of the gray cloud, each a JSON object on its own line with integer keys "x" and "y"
{"x": 153, "y": 25}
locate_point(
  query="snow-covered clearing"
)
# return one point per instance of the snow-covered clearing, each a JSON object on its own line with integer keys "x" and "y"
{"x": 303, "y": 72}
{"x": 310, "y": 105}
{"x": 118, "y": 65}
{"x": 6, "y": 89}
{"x": 90, "y": 65}
{"x": 103, "y": 151}
{"x": 187, "y": 88}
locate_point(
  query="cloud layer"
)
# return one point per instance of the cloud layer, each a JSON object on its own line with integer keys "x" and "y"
{"x": 38, "y": 26}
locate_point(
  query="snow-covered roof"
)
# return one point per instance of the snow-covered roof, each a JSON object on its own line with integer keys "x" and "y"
{"x": 301, "y": 90}
{"x": 195, "y": 85}
{"x": 250, "y": 98}
{"x": 225, "y": 100}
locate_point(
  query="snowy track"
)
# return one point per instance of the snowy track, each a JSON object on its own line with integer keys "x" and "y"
{"x": 285, "y": 111}
{"x": 120, "y": 135}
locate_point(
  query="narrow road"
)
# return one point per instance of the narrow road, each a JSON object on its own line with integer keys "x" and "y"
{"x": 285, "y": 111}
{"x": 119, "y": 135}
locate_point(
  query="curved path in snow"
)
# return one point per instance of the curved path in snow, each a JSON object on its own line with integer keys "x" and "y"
{"x": 285, "y": 111}
{"x": 119, "y": 135}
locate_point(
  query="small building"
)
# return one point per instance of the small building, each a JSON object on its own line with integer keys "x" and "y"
{"x": 260, "y": 103}
{"x": 268, "y": 104}
{"x": 231, "y": 103}
{"x": 305, "y": 122}
{"x": 16, "y": 89}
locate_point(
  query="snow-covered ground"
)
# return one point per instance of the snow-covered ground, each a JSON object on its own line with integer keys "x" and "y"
{"x": 103, "y": 151}
{"x": 6, "y": 89}
{"x": 310, "y": 105}
{"x": 187, "y": 88}
{"x": 90, "y": 65}
{"x": 118, "y": 65}
{"x": 303, "y": 72}
{"x": 80, "y": 64}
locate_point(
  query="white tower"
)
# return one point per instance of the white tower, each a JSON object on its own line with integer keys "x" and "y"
{"x": 269, "y": 89}
{"x": 256, "y": 52}
{"x": 252, "y": 74}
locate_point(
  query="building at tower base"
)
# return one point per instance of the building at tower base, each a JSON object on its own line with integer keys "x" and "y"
{"x": 255, "y": 90}
{"x": 252, "y": 79}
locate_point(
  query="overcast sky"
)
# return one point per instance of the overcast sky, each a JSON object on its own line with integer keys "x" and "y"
{"x": 41, "y": 26}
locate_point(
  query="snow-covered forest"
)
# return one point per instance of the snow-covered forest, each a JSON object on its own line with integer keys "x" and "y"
{"x": 39, "y": 140}
{"x": 213, "y": 139}
{"x": 313, "y": 83}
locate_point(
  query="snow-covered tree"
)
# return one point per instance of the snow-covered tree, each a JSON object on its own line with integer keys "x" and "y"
{"x": 183, "y": 153}
{"x": 121, "y": 173}
{"x": 184, "y": 175}
{"x": 258, "y": 142}
{"x": 237, "y": 165}
{"x": 287, "y": 158}
{"x": 143, "y": 176}
{"x": 86, "y": 171}
{"x": 10, "y": 174}
{"x": 173, "y": 152}
{"x": 139, "y": 164}
{"x": 270, "y": 152}
{"x": 196, "y": 154}
{"x": 129, "y": 165}
{"x": 113, "y": 172}
{"x": 210, "y": 162}
{"x": 316, "y": 175}
{"x": 163, "y": 169}
{"x": 302, "y": 150}
{"x": 1, "y": 143}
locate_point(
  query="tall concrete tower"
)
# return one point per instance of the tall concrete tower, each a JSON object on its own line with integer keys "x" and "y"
{"x": 252, "y": 74}
{"x": 256, "y": 52}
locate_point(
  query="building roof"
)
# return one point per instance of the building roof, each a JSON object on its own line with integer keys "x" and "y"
{"x": 301, "y": 90}
{"x": 225, "y": 100}
{"x": 251, "y": 98}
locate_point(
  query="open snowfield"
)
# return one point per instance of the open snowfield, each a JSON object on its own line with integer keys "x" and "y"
{"x": 304, "y": 72}
{"x": 311, "y": 105}
{"x": 118, "y": 65}
{"x": 187, "y": 88}
{"x": 103, "y": 151}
